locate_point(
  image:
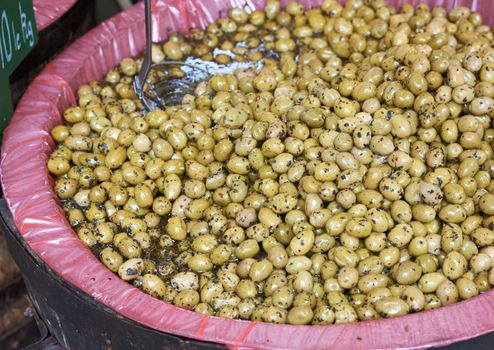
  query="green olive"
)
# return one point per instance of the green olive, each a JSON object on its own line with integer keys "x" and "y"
{"x": 347, "y": 178}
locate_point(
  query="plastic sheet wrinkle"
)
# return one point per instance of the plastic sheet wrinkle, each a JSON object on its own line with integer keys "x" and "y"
{"x": 202, "y": 326}
{"x": 48, "y": 11}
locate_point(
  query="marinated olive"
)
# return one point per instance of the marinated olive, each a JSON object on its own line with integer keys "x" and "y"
{"x": 343, "y": 172}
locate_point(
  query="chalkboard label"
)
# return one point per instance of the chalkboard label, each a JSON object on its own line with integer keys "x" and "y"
{"x": 18, "y": 36}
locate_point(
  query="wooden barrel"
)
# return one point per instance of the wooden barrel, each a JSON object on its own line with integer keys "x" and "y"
{"x": 107, "y": 311}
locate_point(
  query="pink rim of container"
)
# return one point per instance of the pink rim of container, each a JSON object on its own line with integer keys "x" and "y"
{"x": 48, "y": 11}
{"x": 28, "y": 189}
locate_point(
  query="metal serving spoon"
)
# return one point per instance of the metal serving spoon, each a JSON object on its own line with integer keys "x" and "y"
{"x": 171, "y": 91}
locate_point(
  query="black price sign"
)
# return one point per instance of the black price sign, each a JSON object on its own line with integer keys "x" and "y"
{"x": 18, "y": 36}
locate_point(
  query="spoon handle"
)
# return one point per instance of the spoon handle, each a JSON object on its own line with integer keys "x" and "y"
{"x": 146, "y": 64}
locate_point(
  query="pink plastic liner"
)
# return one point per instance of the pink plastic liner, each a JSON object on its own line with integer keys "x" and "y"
{"x": 40, "y": 220}
{"x": 48, "y": 11}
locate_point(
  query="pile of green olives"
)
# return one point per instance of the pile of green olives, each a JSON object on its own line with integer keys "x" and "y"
{"x": 348, "y": 177}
